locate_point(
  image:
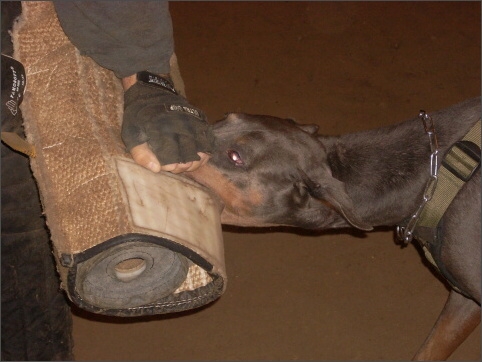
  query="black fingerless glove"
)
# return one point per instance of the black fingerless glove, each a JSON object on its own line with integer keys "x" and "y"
{"x": 156, "y": 114}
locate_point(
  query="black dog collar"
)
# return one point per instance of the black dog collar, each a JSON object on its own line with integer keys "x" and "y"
{"x": 155, "y": 80}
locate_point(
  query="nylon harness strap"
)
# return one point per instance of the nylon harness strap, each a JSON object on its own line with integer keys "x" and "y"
{"x": 460, "y": 163}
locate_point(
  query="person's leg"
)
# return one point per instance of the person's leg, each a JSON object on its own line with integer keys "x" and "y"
{"x": 36, "y": 318}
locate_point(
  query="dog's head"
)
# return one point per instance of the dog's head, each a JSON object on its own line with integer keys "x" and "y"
{"x": 270, "y": 171}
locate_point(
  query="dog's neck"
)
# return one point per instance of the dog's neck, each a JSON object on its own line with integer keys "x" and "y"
{"x": 388, "y": 166}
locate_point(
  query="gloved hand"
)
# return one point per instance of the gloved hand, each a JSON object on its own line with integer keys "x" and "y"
{"x": 154, "y": 113}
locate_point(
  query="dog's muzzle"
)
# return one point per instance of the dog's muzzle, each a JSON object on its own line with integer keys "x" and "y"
{"x": 127, "y": 241}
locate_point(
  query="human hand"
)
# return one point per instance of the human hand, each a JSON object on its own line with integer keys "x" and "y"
{"x": 161, "y": 129}
{"x": 144, "y": 156}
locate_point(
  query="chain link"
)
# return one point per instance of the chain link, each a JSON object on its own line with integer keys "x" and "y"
{"x": 405, "y": 233}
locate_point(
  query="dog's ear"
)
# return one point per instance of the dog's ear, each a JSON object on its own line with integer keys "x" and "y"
{"x": 301, "y": 194}
{"x": 333, "y": 191}
{"x": 309, "y": 128}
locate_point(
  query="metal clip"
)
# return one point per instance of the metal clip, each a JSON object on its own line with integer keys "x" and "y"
{"x": 404, "y": 235}
{"x": 429, "y": 127}
{"x": 427, "y": 121}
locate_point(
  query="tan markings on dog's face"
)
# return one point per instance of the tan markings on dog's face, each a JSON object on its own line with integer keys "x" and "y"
{"x": 238, "y": 204}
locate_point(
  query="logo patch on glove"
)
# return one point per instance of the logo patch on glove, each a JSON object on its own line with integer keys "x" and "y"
{"x": 155, "y": 80}
{"x": 180, "y": 108}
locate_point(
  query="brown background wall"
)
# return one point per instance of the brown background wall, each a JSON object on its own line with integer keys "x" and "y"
{"x": 346, "y": 66}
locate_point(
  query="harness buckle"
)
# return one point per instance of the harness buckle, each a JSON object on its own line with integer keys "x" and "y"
{"x": 463, "y": 159}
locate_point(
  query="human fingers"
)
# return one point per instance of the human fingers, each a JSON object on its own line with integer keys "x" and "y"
{"x": 144, "y": 156}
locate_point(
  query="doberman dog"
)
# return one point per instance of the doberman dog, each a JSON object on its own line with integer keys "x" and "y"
{"x": 270, "y": 171}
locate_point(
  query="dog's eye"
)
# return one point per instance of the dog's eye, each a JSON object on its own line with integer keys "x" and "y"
{"x": 235, "y": 157}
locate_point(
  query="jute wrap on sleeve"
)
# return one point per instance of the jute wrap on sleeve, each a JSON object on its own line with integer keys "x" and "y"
{"x": 127, "y": 241}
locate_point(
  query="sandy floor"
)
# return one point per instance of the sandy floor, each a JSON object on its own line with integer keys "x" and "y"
{"x": 346, "y": 67}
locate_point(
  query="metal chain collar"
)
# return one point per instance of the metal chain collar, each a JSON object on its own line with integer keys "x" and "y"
{"x": 405, "y": 233}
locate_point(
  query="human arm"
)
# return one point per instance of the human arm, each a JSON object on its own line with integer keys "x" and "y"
{"x": 128, "y": 37}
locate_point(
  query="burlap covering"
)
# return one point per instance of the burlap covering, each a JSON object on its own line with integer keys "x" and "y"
{"x": 72, "y": 108}
{"x": 73, "y": 111}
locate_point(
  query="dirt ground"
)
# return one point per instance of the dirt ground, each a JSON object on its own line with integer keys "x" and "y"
{"x": 347, "y": 66}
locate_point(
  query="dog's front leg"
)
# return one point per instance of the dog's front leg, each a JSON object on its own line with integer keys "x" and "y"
{"x": 457, "y": 320}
